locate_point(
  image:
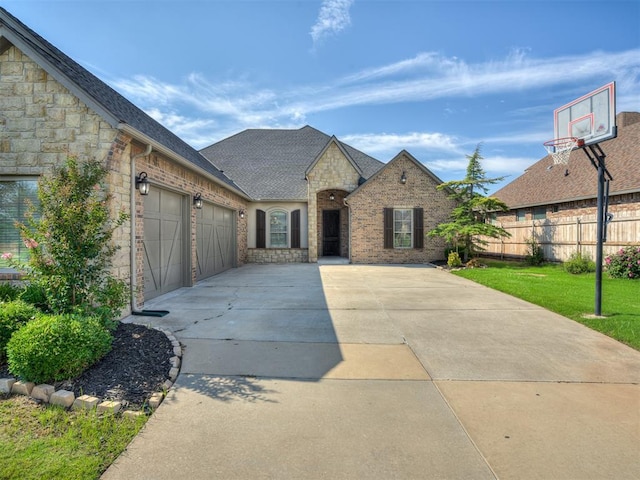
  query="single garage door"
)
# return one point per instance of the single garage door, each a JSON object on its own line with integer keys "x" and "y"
{"x": 215, "y": 240}
{"x": 164, "y": 245}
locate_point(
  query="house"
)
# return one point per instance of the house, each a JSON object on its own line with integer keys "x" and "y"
{"x": 555, "y": 205}
{"x": 258, "y": 196}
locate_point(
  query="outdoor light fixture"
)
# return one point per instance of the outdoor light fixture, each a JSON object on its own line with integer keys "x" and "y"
{"x": 197, "y": 201}
{"x": 142, "y": 183}
{"x": 241, "y": 213}
{"x": 332, "y": 197}
{"x": 403, "y": 178}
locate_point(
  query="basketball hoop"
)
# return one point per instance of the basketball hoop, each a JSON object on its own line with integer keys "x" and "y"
{"x": 560, "y": 148}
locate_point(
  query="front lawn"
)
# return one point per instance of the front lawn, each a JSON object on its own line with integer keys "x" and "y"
{"x": 572, "y": 296}
{"x": 39, "y": 442}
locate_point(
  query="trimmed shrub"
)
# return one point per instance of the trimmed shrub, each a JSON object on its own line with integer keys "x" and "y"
{"x": 625, "y": 263}
{"x": 579, "y": 263}
{"x": 57, "y": 347}
{"x": 8, "y": 292}
{"x": 13, "y": 315}
{"x": 453, "y": 260}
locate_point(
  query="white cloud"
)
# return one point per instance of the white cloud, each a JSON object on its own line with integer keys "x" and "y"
{"x": 332, "y": 19}
{"x": 392, "y": 143}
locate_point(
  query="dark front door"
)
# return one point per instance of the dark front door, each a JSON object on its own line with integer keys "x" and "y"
{"x": 330, "y": 232}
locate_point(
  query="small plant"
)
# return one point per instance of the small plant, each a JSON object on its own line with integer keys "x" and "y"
{"x": 579, "y": 263}
{"x": 13, "y": 315}
{"x": 35, "y": 295}
{"x": 535, "y": 254}
{"x": 453, "y": 261}
{"x": 57, "y": 347}
{"x": 625, "y": 263}
{"x": 70, "y": 242}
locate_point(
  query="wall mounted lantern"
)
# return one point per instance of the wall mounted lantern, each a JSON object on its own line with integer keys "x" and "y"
{"x": 332, "y": 197}
{"x": 403, "y": 178}
{"x": 197, "y": 201}
{"x": 142, "y": 183}
{"x": 241, "y": 213}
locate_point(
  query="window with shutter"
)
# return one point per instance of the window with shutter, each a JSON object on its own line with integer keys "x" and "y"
{"x": 388, "y": 228}
{"x": 418, "y": 228}
{"x": 15, "y": 196}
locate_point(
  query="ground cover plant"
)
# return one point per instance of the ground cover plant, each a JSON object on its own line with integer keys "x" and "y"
{"x": 39, "y": 442}
{"x": 572, "y": 296}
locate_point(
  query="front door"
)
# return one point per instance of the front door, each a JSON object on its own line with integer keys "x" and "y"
{"x": 330, "y": 233}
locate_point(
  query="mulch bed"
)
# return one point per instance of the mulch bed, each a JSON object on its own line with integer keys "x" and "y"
{"x": 136, "y": 367}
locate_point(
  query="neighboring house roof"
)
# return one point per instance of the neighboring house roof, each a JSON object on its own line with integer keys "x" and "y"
{"x": 271, "y": 164}
{"x": 99, "y": 96}
{"x": 544, "y": 183}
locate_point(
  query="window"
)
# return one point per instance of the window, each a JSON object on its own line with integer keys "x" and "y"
{"x": 539, "y": 213}
{"x": 15, "y": 196}
{"x": 402, "y": 228}
{"x": 521, "y": 215}
{"x": 278, "y": 229}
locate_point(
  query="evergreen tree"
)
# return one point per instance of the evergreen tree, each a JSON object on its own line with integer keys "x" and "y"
{"x": 468, "y": 220}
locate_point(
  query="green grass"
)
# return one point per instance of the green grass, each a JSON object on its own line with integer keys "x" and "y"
{"x": 39, "y": 442}
{"x": 572, "y": 296}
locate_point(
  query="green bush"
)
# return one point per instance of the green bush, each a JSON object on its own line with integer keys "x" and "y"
{"x": 13, "y": 315}
{"x": 57, "y": 347}
{"x": 579, "y": 263}
{"x": 36, "y": 296}
{"x": 8, "y": 292}
{"x": 535, "y": 254}
{"x": 453, "y": 260}
{"x": 625, "y": 263}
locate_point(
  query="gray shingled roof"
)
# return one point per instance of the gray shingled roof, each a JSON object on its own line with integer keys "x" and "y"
{"x": 544, "y": 184}
{"x": 106, "y": 97}
{"x": 271, "y": 164}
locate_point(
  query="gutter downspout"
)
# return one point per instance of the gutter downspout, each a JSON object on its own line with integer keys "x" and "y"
{"x": 134, "y": 275}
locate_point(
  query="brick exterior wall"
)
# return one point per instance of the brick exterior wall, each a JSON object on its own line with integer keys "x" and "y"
{"x": 42, "y": 123}
{"x": 333, "y": 172}
{"x": 386, "y": 190}
{"x": 277, "y": 255}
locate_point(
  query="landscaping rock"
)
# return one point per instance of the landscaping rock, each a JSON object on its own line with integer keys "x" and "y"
{"x": 22, "y": 388}
{"x": 64, "y": 398}
{"x": 156, "y": 400}
{"x": 6, "y": 384}
{"x": 42, "y": 392}
{"x": 85, "y": 401}
{"x": 109, "y": 406}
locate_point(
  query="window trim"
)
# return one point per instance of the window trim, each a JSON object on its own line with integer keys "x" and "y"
{"x": 286, "y": 232}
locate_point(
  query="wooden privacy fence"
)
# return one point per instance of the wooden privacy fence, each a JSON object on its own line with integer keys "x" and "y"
{"x": 561, "y": 237}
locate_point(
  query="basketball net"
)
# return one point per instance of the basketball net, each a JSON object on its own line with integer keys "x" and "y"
{"x": 560, "y": 148}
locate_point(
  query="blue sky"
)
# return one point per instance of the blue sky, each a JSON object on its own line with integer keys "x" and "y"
{"x": 433, "y": 77}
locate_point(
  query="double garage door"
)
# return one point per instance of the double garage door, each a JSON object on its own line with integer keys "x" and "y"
{"x": 166, "y": 243}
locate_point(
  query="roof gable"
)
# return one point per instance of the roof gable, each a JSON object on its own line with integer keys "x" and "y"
{"x": 271, "y": 164}
{"x": 100, "y": 97}
{"x": 333, "y": 141}
{"x": 402, "y": 155}
{"x": 544, "y": 183}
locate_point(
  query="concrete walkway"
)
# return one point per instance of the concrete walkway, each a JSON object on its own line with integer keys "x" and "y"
{"x": 380, "y": 372}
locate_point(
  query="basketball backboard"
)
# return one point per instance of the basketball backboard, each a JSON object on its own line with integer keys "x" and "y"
{"x": 591, "y": 118}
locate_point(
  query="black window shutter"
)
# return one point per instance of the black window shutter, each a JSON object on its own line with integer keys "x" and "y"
{"x": 261, "y": 230}
{"x": 295, "y": 229}
{"x": 418, "y": 228}
{"x": 388, "y": 228}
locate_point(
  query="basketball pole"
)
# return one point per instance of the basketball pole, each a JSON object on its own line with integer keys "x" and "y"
{"x": 597, "y": 156}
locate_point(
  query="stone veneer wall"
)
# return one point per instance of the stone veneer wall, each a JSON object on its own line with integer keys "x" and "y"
{"x": 42, "y": 123}
{"x": 277, "y": 255}
{"x": 332, "y": 172}
{"x": 386, "y": 191}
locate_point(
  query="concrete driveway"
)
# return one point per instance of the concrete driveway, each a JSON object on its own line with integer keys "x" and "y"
{"x": 313, "y": 371}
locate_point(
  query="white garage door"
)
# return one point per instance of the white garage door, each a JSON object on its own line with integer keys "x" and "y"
{"x": 215, "y": 240}
{"x": 164, "y": 246}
